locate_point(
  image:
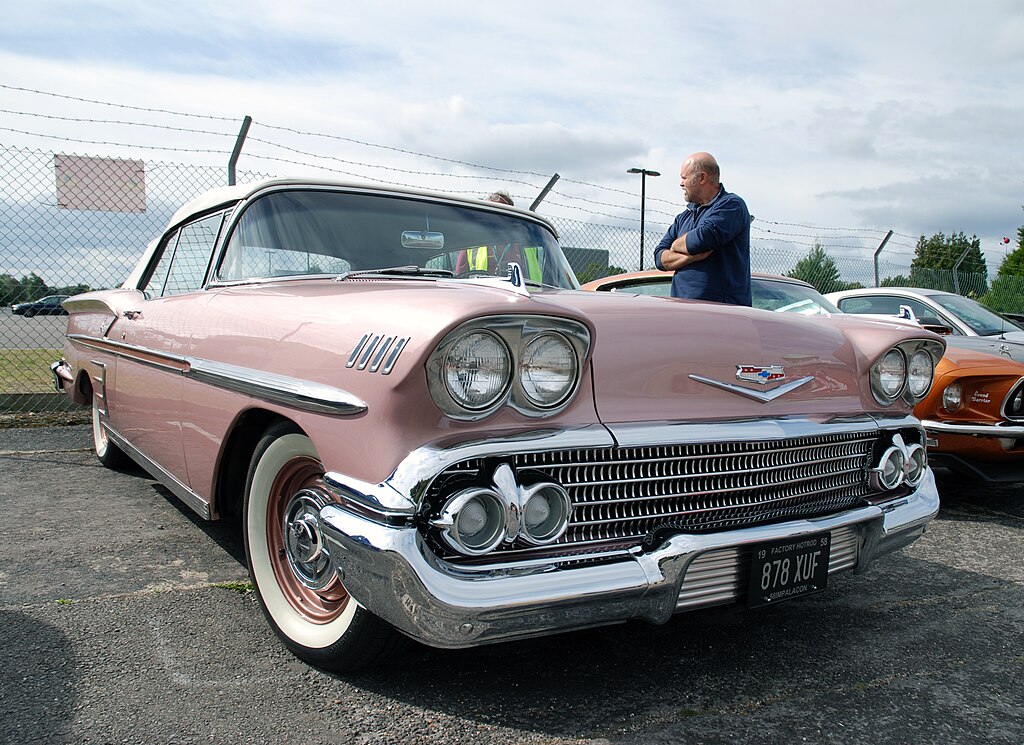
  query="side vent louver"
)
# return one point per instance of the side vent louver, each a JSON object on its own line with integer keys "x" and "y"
{"x": 378, "y": 352}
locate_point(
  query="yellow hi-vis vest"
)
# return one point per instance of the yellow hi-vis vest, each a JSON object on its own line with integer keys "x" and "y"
{"x": 533, "y": 267}
{"x": 478, "y": 260}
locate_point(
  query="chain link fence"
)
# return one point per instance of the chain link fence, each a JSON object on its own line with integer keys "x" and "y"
{"x": 55, "y": 242}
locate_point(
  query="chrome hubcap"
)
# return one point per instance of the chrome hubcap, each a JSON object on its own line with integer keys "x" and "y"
{"x": 304, "y": 545}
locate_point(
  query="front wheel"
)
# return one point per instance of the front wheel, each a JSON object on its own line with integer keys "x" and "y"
{"x": 296, "y": 583}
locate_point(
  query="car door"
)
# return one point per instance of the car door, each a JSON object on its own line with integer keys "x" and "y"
{"x": 145, "y": 407}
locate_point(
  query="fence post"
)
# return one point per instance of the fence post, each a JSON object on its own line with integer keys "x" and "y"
{"x": 544, "y": 192}
{"x": 239, "y": 141}
{"x": 878, "y": 251}
{"x": 956, "y": 278}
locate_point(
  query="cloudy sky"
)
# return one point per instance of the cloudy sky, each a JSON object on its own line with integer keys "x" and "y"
{"x": 829, "y": 119}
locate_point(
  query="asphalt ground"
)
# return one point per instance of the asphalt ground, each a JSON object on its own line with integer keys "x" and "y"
{"x": 124, "y": 618}
{"x": 38, "y": 332}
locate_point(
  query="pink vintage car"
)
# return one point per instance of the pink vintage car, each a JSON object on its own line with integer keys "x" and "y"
{"x": 427, "y": 431}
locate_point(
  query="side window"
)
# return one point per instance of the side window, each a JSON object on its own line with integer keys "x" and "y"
{"x": 155, "y": 286}
{"x": 182, "y": 266}
{"x": 881, "y": 304}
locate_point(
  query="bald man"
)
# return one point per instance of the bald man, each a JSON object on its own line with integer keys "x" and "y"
{"x": 708, "y": 245}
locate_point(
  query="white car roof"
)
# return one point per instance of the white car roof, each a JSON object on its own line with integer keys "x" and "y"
{"x": 224, "y": 195}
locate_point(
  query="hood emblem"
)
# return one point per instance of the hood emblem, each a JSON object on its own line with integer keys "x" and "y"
{"x": 763, "y": 374}
{"x": 757, "y": 374}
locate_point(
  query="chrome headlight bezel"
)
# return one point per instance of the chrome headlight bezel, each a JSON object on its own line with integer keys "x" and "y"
{"x": 519, "y": 335}
{"x": 908, "y": 352}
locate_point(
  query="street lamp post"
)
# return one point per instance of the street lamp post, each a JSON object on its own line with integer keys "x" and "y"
{"x": 644, "y": 173}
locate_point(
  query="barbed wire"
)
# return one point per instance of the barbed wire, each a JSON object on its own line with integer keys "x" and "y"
{"x": 627, "y": 211}
{"x": 116, "y": 105}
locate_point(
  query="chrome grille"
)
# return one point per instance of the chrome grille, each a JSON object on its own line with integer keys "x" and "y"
{"x": 622, "y": 496}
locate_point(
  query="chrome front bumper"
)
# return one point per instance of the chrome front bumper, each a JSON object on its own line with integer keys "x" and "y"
{"x": 1001, "y": 430}
{"x": 389, "y": 570}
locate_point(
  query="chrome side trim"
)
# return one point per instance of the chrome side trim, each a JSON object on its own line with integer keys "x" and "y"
{"x": 99, "y": 386}
{"x": 371, "y": 350}
{"x": 160, "y": 360}
{"x": 281, "y": 389}
{"x": 762, "y": 396}
{"x": 979, "y": 430}
{"x": 192, "y": 500}
{"x": 748, "y": 430}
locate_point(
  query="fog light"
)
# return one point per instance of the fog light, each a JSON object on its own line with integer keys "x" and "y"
{"x": 952, "y": 396}
{"x": 917, "y": 464}
{"x": 546, "y": 511}
{"x": 890, "y": 471}
{"x": 472, "y": 522}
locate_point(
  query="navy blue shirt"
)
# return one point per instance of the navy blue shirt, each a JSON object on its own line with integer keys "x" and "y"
{"x": 721, "y": 227}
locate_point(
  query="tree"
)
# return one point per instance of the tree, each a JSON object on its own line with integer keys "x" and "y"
{"x": 935, "y": 258}
{"x": 819, "y": 269}
{"x": 1006, "y": 295}
{"x": 595, "y": 270}
{"x": 1013, "y": 264}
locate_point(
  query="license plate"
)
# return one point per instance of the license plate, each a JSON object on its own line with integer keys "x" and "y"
{"x": 788, "y": 568}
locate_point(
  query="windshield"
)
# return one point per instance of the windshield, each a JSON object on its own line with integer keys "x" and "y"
{"x": 982, "y": 321}
{"x": 788, "y": 297}
{"x": 301, "y": 232}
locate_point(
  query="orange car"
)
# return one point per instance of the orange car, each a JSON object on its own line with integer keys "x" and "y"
{"x": 974, "y": 413}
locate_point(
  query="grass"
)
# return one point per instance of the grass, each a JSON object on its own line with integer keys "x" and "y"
{"x": 27, "y": 370}
{"x": 242, "y": 588}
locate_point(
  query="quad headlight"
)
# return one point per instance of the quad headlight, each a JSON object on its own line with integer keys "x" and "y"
{"x": 919, "y": 373}
{"x": 905, "y": 372}
{"x": 530, "y": 363}
{"x": 477, "y": 370}
{"x": 548, "y": 369}
{"x": 892, "y": 373}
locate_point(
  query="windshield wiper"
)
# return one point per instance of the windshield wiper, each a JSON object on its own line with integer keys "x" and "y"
{"x": 397, "y": 271}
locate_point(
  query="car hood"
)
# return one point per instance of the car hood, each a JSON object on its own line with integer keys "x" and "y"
{"x": 659, "y": 359}
{"x": 651, "y": 359}
{"x": 977, "y": 356}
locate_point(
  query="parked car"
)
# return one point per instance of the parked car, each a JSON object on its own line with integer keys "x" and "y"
{"x": 768, "y": 291}
{"x": 974, "y": 415}
{"x": 461, "y": 458}
{"x": 45, "y": 306}
{"x": 933, "y": 308}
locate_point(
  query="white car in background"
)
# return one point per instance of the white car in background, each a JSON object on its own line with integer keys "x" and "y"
{"x": 932, "y": 308}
